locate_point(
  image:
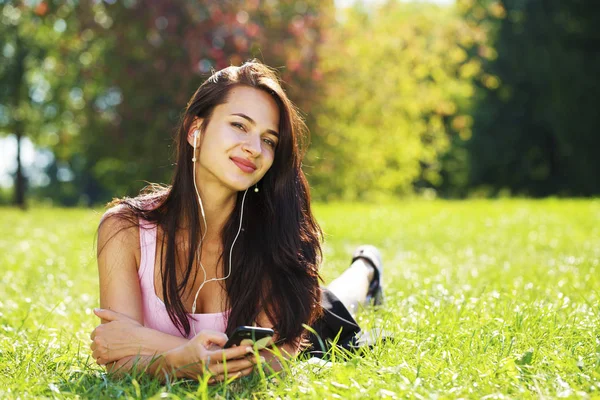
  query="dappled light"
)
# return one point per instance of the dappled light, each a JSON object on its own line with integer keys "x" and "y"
{"x": 459, "y": 137}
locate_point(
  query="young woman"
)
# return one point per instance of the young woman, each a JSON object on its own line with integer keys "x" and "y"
{"x": 231, "y": 242}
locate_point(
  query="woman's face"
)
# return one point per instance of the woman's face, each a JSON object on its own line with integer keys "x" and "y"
{"x": 238, "y": 145}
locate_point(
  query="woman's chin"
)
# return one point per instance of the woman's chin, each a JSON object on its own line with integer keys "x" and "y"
{"x": 240, "y": 186}
{"x": 239, "y": 183}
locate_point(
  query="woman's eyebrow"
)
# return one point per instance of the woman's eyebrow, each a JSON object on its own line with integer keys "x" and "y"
{"x": 271, "y": 131}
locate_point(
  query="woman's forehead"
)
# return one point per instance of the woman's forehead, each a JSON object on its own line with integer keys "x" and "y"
{"x": 255, "y": 103}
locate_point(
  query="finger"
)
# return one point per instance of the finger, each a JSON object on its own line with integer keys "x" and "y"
{"x": 213, "y": 347}
{"x": 240, "y": 368}
{"x": 208, "y": 338}
{"x": 98, "y": 357}
{"x": 256, "y": 358}
{"x": 232, "y": 353}
{"x": 108, "y": 315}
{"x": 223, "y": 377}
{"x": 231, "y": 366}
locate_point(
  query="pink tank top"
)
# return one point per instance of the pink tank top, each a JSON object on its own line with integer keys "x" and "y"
{"x": 154, "y": 310}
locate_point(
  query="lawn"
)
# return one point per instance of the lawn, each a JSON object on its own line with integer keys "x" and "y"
{"x": 485, "y": 299}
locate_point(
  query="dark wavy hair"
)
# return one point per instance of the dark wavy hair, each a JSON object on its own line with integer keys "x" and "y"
{"x": 276, "y": 258}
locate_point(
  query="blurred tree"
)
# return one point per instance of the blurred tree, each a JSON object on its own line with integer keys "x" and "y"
{"x": 535, "y": 129}
{"x": 154, "y": 56}
{"x": 398, "y": 80}
{"x": 38, "y": 92}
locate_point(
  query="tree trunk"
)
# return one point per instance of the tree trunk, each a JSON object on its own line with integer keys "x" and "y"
{"x": 19, "y": 74}
{"x": 19, "y": 177}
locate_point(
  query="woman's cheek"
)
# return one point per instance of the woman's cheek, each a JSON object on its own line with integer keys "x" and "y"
{"x": 268, "y": 165}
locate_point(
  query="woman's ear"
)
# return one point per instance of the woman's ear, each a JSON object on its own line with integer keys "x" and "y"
{"x": 194, "y": 133}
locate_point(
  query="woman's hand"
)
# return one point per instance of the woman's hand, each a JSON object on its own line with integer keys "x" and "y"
{"x": 205, "y": 354}
{"x": 117, "y": 338}
{"x": 120, "y": 337}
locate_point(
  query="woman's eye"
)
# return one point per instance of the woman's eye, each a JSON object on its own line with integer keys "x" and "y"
{"x": 239, "y": 126}
{"x": 269, "y": 142}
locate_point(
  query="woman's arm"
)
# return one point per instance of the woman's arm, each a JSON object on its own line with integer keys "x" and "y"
{"x": 118, "y": 253}
{"x": 201, "y": 355}
{"x": 121, "y": 336}
{"x": 118, "y": 257}
{"x": 123, "y": 344}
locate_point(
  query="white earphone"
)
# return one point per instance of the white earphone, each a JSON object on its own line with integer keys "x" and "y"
{"x": 195, "y": 139}
{"x": 204, "y": 280}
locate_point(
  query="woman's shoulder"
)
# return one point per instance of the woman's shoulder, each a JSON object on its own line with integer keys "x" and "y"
{"x": 119, "y": 223}
{"x": 118, "y": 215}
{"x": 125, "y": 216}
{"x": 129, "y": 212}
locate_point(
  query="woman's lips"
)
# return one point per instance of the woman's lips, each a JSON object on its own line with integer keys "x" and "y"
{"x": 244, "y": 165}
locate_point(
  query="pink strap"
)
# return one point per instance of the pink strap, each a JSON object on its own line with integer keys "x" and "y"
{"x": 147, "y": 249}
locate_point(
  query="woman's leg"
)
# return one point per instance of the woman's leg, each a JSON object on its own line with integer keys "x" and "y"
{"x": 340, "y": 300}
{"x": 352, "y": 286}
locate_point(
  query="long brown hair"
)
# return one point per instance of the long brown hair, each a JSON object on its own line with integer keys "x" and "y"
{"x": 275, "y": 260}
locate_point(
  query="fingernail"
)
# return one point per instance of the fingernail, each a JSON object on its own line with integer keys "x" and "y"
{"x": 249, "y": 350}
{"x": 98, "y": 310}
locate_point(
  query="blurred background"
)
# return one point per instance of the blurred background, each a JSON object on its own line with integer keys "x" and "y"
{"x": 446, "y": 98}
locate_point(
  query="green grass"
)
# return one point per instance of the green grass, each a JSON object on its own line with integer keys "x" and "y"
{"x": 494, "y": 299}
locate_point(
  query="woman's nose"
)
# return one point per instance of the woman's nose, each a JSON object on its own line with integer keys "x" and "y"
{"x": 252, "y": 145}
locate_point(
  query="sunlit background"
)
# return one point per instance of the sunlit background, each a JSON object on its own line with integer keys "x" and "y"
{"x": 435, "y": 98}
{"x": 407, "y": 102}
{"x": 35, "y": 163}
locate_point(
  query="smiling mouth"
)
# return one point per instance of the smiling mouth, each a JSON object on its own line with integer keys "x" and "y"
{"x": 244, "y": 167}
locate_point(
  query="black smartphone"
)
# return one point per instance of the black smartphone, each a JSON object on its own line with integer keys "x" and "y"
{"x": 249, "y": 332}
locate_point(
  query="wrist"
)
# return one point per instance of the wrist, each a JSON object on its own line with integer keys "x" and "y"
{"x": 177, "y": 362}
{"x": 140, "y": 341}
{"x": 172, "y": 362}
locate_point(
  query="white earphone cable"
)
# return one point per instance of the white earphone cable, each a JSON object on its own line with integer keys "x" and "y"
{"x": 204, "y": 280}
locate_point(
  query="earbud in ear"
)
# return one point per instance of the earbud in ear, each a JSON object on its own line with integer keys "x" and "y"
{"x": 196, "y": 133}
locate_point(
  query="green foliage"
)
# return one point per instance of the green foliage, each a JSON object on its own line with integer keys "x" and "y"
{"x": 35, "y": 75}
{"x": 536, "y": 118}
{"x": 156, "y": 55}
{"x": 494, "y": 299}
{"x": 39, "y": 90}
{"x": 486, "y": 96}
{"x": 398, "y": 79}
{"x": 104, "y": 83}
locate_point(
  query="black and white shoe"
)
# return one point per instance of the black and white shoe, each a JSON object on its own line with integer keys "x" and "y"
{"x": 372, "y": 256}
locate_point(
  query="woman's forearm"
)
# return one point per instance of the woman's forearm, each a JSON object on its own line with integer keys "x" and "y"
{"x": 153, "y": 342}
{"x": 151, "y": 351}
{"x": 161, "y": 365}
{"x": 125, "y": 346}
{"x": 153, "y": 365}
{"x": 120, "y": 336}
{"x": 200, "y": 356}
